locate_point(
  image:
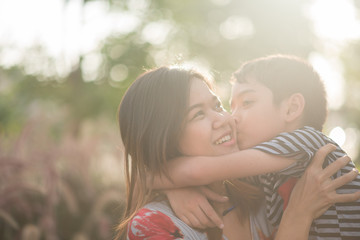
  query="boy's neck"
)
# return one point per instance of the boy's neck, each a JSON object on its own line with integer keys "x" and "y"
{"x": 296, "y": 124}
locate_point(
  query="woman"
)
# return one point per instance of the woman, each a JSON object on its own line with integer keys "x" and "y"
{"x": 171, "y": 112}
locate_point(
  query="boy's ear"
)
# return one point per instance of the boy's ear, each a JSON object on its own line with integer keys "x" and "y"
{"x": 295, "y": 105}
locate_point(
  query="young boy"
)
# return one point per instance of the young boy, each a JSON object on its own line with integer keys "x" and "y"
{"x": 279, "y": 104}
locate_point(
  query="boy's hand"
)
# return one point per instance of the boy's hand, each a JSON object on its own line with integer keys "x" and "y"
{"x": 191, "y": 205}
{"x": 313, "y": 194}
{"x": 317, "y": 190}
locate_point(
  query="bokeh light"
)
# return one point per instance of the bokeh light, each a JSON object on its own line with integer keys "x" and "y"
{"x": 335, "y": 19}
{"x": 338, "y": 135}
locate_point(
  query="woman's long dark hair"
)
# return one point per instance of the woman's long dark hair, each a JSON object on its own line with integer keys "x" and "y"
{"x": 151, "y": 116}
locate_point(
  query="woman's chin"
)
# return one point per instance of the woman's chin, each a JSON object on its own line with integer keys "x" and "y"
{"x": 226, "y": 149}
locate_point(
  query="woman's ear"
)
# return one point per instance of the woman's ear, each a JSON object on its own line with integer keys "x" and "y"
{"x": 295, "y": 105}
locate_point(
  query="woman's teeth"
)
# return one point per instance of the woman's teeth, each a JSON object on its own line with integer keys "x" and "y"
{"x": 223, "y": 139}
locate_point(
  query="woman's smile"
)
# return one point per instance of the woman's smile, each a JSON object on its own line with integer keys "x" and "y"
{"x": 226, "y": 140}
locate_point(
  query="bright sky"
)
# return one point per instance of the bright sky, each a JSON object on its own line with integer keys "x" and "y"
{"x": 335, "y": 23}
{"x": 335, "y": 20}
{"x": 64, "y": 30}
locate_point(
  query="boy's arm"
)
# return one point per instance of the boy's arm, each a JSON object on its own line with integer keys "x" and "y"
{"x": 300, "y": 144}
{"x": 192, "y": 206}
{"x": 195, "y": 171}
{"x": 284, "y": 147}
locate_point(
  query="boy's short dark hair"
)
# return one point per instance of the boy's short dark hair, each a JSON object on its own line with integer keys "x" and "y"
{"x": 285, "y": 75}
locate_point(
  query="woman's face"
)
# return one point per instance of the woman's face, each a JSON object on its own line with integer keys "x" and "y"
{"x": 209, "y": 130}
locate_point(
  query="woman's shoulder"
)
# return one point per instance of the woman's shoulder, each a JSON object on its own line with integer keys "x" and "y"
{"x": 151, "y": 221}
{"x": 157, "y": 219}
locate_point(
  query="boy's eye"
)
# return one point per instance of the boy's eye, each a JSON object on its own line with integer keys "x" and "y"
{"x": 247, "y": 102}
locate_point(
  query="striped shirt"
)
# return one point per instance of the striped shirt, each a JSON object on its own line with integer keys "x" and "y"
{"x": 340, "y": 221}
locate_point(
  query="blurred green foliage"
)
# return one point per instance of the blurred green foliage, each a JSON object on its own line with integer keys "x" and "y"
{"x": 45, "y": 119}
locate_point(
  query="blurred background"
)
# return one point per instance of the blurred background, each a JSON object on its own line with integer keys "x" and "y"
{"x": 65, "y": 64}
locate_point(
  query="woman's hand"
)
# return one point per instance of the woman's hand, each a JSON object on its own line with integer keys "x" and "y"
{"x": 191, "y": 205}
{"x": 314, "y": 193}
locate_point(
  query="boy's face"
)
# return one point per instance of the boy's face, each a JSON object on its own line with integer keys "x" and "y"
{"x": 258, "y": 118}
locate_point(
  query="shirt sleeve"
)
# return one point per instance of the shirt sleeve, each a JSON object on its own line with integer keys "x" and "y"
{"x": 300, "y": 144}
{"x": 152, "y": 225}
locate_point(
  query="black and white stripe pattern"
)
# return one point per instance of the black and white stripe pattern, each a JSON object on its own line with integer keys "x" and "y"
{"x": 341, "y": 221}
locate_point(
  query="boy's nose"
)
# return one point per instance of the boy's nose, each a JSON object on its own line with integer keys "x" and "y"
{"x": 236, "y": 114}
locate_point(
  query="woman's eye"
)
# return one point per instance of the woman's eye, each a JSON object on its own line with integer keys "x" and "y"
{"x": 219, "y": 107}
{"x": 198, "y": 114}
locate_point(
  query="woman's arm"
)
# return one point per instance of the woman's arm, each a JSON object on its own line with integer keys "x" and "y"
{"x": 313, "y": 194}
{"x": 195, "y": 171}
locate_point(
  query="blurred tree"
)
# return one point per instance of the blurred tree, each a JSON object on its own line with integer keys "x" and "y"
{"x": 350, "y": 110}
{"x": 24, "y": 94}
{"x": 218, "y": 34}
{"x": 351, "y": 60}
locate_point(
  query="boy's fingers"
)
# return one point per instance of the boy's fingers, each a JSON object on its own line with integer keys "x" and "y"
{"x": 340, "y": 181}
{"x": 199, "y": 219}
{"x": 336, "y": 166}
{"x": 211, "y": 195}
{"x": 321, "y": 154}
{"x": 204, "y": 218}
{"x": 194, "y": 222}
{"x": 185, "y": 220}
{"x": 212, "y": 216}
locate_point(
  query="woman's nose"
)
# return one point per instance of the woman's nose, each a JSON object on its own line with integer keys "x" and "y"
{"x": 221, "y": 119}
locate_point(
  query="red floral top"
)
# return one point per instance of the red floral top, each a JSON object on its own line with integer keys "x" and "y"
{"x": 156, "y": 221}
{"x": 153, "y": 225}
